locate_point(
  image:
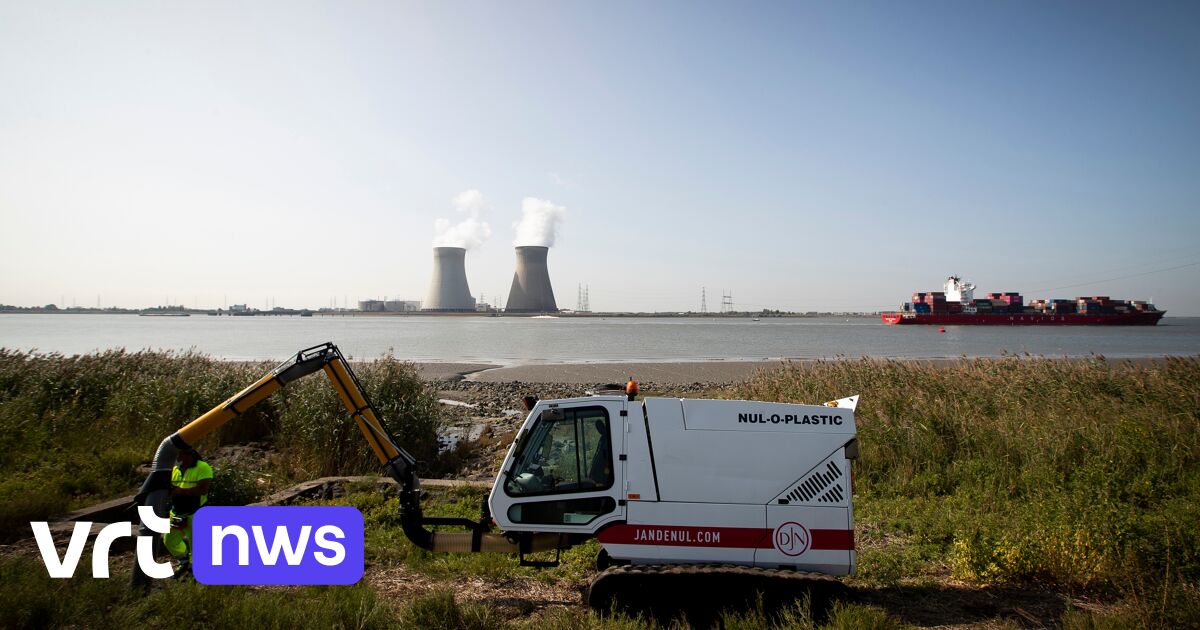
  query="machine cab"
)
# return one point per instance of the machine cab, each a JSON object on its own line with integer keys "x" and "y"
{"x": 560, "y": 473}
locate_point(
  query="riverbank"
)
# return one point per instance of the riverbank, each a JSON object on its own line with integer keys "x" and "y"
{"x": 677, "y": 373}
{"x": 989, "y": 492}
{"x": 715, "y": 373}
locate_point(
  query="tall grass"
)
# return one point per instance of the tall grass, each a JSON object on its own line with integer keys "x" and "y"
{"x": 34, "y": 600}
{"x": 313, "y": 423}
{"x": 1080, "y": 474}
{"x": 1076, "y": 472}
{"x": 77, "y": 428}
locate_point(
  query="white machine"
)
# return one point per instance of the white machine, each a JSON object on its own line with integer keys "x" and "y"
{"x": 679, "y": 481}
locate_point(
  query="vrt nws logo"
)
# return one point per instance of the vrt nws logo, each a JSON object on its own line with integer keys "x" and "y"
{"x": 791, "y": 538}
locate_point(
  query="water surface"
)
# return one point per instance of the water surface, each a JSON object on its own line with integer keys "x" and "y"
{"x": 522, "y": 340}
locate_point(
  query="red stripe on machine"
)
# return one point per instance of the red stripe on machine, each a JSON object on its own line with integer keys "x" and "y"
{"x": 743, "y": 537}
{"x": 832, "y": 539}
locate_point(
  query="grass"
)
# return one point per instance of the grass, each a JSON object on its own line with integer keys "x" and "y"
{"x": 76, "y": 429}
{"x": 1068, "y": 474}
{"x": 33, "y": 600}
{"x": 387, "y": 546}
{"x": 1059, "y": 477}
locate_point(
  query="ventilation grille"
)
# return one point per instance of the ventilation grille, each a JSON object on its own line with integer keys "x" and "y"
{"x": 820, "y": 486}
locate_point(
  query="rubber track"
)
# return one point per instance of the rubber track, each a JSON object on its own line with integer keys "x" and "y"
{"x": 619, "y": 580}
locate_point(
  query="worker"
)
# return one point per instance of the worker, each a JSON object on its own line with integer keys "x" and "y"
{"x": 190, "y": 481}
{"x": 600, "y": 472}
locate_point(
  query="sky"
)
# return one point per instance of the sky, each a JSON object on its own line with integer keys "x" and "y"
{"x": 810, "y": 156}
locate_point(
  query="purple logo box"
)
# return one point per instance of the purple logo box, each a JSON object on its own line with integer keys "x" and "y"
{"x": 277, "y": 545}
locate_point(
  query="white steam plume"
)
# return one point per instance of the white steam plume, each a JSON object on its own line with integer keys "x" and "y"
{"x": 468, "y": 233}
{"x": 469, "y": 201}
{"x": 539, "y": 220}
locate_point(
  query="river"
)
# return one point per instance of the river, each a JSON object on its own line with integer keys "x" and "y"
{"x": 524, "y": 340}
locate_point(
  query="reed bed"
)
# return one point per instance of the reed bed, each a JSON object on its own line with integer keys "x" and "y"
{"x": 1083, "y": 473}
{"x": 1050, "y": 475}
{"x": 77, "y": 429}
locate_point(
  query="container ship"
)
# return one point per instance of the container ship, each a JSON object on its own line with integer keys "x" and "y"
{"x": 958, "y": 305}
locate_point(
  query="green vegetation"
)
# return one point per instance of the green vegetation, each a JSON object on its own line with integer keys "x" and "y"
{"x": 984, "y": 477}
{"x": 75, "y": 430}
{"x": 34, "y": 600}
{"x": 1076, "y": 474}
{"x": 314, "y": 427}
{"x": 387, "y": 546}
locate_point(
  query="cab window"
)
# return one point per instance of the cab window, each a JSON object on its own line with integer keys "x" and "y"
{"x": 570, "y": 453}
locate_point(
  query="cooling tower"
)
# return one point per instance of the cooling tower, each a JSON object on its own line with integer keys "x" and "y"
{"x": 531, "y": 291}
{"x": 448, "y": 291}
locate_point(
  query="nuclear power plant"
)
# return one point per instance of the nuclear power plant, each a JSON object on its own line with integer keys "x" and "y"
{"x": 448, "y": 290}
{"x": 531, "y": 291}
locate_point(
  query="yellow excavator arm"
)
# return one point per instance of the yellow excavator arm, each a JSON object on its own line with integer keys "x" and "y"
{"x": 325, "y": 357}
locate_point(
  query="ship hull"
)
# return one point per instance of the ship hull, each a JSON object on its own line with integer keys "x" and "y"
{"x": 1140, "y": 318}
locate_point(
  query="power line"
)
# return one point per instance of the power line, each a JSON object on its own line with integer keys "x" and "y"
{"x": 1145, "y": 260}
{"x": 1133, "y": 275}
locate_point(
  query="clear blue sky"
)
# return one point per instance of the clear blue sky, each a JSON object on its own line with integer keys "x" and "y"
{"x": 808, "y": 156}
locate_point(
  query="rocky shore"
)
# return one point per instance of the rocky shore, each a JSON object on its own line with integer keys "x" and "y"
{"x": 482, "y": 404}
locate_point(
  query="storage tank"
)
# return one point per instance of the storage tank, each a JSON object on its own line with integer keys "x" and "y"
{"x": 531, "y": 291}
{"x": 448, "y": 290}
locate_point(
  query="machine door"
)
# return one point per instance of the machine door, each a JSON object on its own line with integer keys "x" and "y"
{"x": 562, "y": 472}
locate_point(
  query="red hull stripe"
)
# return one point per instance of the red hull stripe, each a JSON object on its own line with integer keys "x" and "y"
{"x": 740, "y": 537}
{"x": 1141, "y": 318}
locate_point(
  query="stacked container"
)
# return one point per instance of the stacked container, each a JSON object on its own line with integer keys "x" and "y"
{"x": 1063, "y": 307}
{"x": 934, "y": 302}
{"x": 1010, "y": 302}
{"x": 937, "y": 301}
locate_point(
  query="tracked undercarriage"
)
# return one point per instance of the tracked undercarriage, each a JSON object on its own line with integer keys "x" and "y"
{"x": 665, "y": 590}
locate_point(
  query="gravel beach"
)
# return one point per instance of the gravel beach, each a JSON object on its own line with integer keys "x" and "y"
{"x": 699, "y": 372}
{"x": 482, "y": 403}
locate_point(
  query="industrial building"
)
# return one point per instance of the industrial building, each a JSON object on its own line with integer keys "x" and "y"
{"x": 531, "y": 291}
{"x": 389, "y": 306}
{"x": 448, "y": 290}
{"x": 401, "y": 306}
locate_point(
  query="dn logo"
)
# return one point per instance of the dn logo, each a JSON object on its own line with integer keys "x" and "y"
{"x": 277, "y": 545}
{"x": 791, "y": 539}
